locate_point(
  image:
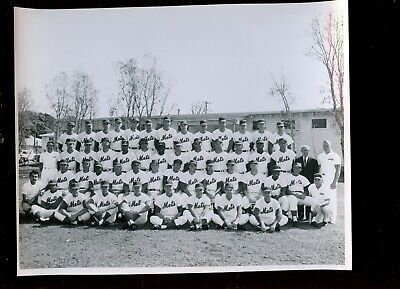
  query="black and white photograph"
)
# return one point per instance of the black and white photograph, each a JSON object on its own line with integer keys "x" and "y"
{"x": 189, "y": 139}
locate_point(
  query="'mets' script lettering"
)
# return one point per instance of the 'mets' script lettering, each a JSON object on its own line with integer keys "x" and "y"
{"x": 83, "y": 179}
{"x": 210, "y": 181}
{"x": 173, "y": 178}
{"x": 223, "y": 137}
{"x": 218, "y": 159}
{"x": 118, "y": 138}
{"x": 104, "y": 204}
{"x": 198, "y": 205}
{"x": 51, "y": 199}
{"x": 192, "y": 182}
{"x": 144, "y": 157}
{"x": 229, "y": 207}
{"x": 267, "y": 211}
{"x": 166, "y": 137}
{"x": 198, "y": 158}
{"x": 231, "y": 179}
{"x": 61, "y": 179}
{"x": 124, "y": 161}
{"x": 169, "y": 204}
{"x": 154, "y": 179}
{"x": 254, "y": 182}
{"x": 105, "y": 158}
{"x": 75, "y": 203}
{"x": 261, "y": 159}
{"x": 283, "y": 159}
{"x": 136, "y": 203}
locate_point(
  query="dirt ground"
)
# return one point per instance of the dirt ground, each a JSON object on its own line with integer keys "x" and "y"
{"x": 57, "y": 246}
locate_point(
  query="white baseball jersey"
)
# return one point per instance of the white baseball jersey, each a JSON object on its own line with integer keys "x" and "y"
{"x": 267, "y": 210}
{"x": 185, "y": 140}
{"x": 49, "y": 197}
{"x": 62, "y": 139}
{"x": 284, "y": 159}
{"x": 106, "y": 158}
{"x": 327, "y": 163}
{"x": 274, "y": 139}
{"x": 246, "y": 138}
{"x": 136, "y": 203}
{"x": 162, "y": 161}
{"x": 166, "y": 136}
{"x": 264, "y": 136}
{"x": 126, "y": 160}
{"x": 168, "y": 205}
{"x": 229, "y": 207}
{"x": 262, "y": 160}
{"x": 133, "y": 138}
{"x": 173, "y": 177}
{"x": 49, "y": 160}
{"x": 131, "y": 177}
{"x": 116, "y": 181}
{"x": 155, "y": 182}
{"x": 101, "y": 134}
{"x": 225, "y": 136}
{"x": 233, "y": 179}
{"x": 63, "y": 179}
{"x": 322, "y": 193}
{"x": 199, "y": 205}
{"x": 74, "y": 204}
{"x": 200, "y": 157}
{"x": 205, "y": 140}
{"x": 101, "y": 201}
{"x": 97, "y": 179}
{"x": 191, "y": 180}
{"x": 31, "y": 191}
{"x": 116, "y": 139}
{"x": 70, "y": 157}
{"x": 240, "y": 161}
{"x": 150, "y": 137}
{"x": 91, "y": 157}
{"x": 220, "y": 160}
{"x": 171, "y": 157}
{"x": 275, "y": 185}
{"x": 145, "y": 158}
{"x": 253, "y": 182}
{"x": 83, "y": 136}
{"x": 297, "y": 183}
{"x": 84, "y": 178}
{"x": 211, "y": 182}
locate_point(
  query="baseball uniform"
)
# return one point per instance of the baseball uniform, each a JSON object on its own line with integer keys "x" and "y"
{"x": 225, "y": 137}
{"x": 133, "y": 138}
{"x": 144, "y": 157}
{"x": 185, "y": 140}
{"x": 232, "y": 178}
{"x": 200, "y": 157}
{"x": 297, "y": 184}
{"x": 63, "y": 179}
{"x": 275, "y": 137}
{"x": 264, "y": 136}
{"x": 116, "y": 182}
{"x": 162, "y": 161}
{"x": 49, "y": 161}
{"x": 83, "y": 178}
{"x": 267, "y": 213}
{"x": 134, "y": 204}
{"x": 220, "y": 160}
{"x": 100, "y": 135}
{"x": 91, "y": 157}
{"x": 150, "y": 136}
{"x": 229, "y": 210}
{"x": 154, "y": 184}
{"x": 166, "y": 136}
{"x": 262, "y": 160}
{"x": 84, "y": 136}
{"x": 211, "y": 182}
{"x": 174, "y": 177}
{"x": 106, "y": 159}
{"x": 205, "y": 140}
{"x": 97, "y": 179}
{"x": 190, "y": 180}
{"x": 70, "y": 157}
{"x": 253, "y": 183}
{"x": 101, "y": 202}
{"x": 132, "y": 177}
{"x": 49, "y": 198}
{"x": 75, "y": 204}
{"x": 245, "y": 138}
{"x": 276, "y": 186}
{"x": 284, "y": 160}
{"x": 126, "y": 160}
{"x": 63, "y": 138}
{"x": 320, "y": 195}
{"x": 116, "y": 138}
{"x": 201, "y": 208}
{"x": 240, "y": 161}
{"x": 168, "y": 208}
{"x": 171, "y": 157}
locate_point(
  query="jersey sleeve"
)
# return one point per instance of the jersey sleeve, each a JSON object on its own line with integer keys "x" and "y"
{"x": 337, "y": 160}
{"x": 305, "y": 181}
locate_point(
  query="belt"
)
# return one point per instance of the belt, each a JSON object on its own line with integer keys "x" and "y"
{"x": 133, "y": 148}
{"x": 106, "y": 170}
{"x": 297, "y": 191}
{"x": 200, "y": 169}
{"x": 155, "y": 190}
{"x": 168, "y": 148}
{"x": 145, "y": 170}
{"x": 185, "y": 151}
{"x": 285, "y": 171}
{"x": 118, "y": 151}
{"x": 219, "y": 171}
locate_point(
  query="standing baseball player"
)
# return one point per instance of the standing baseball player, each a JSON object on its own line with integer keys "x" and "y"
{"x": 47, "y": 202}
{"x": 174, "y": 175}
{"x": 126, "y": 157}
{"x": 219, "y": 157}
{"x": 136, "y": 175}
{"x": 155, "y": 181}
{"x": 330, "y": 166}
{"x": 188, "y": 182}
{"x": 198, "y": 211}
{"x": 204, "y": 136}
{"x": 70, "y": 155}
{"x": 262, "y": 158}
{"x": 116, "y": 179}
{"x": 149, "y": 134}
{"x": 213, "y": 182}
{"x": 117, "y": 135}
{"x": 167, "y": 210}
{"x": 243, "y": 136}
{"x": 184, "y": 137}
{"x": 161, "y": 157}
{"x": 321, "y": 194}
{"x": 165, "y": 134}
{"x": 278, "y": 185}
{"x": 69, "y": 134}
{"x": 198, "y": 155}
{"x": 104, "y": 133}
{"x": 232, "y": 177}
{"x": 98, "y": 177}
{"x": 87, "y": 136}
{"x": 284, "y": 158}
{"x": 264, "y": 136}
{"x": 133, "y": 134}
{"x": 144, "y": 154}
{"x": 87, "y": 154}
{"x": 229, "y": 208}
{"x": 135, "y": 207}
{"x": 106, "y": 156}
{"x": 177, "y": 154}
{"x": 84, "y": 179}
{"x": 30, "y": 191}
{"x": 48, "y": 162}
{"x": 223, "y": 134}
{"x": 280, "y": 133}
{"x": 64, "y": 176}
{"x": 240, "y": 158}
{"x": 252, "y": 183}
{"x": 103, "y": 206}
{"x": 267, "y": 214}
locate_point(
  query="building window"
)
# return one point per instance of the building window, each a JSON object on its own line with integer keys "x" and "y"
{"x": 289, "y": 124}
{"x": 318, "y": 123}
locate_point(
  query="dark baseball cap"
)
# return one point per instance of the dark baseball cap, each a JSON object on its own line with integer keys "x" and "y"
{"x": 209, "y": 162}
{"x": 117, "y": 119}
{"x": 161, "y": 144}
{"x": 183, "y": 122}
{"x": 203, "y": 121}
{"x": 317, "y": 176}
{"x": 221, "y": 118}
{"x": 230, "y": 163}
{"x": 192, "y": 162}
{"x": 166, "y": 118}
{"x": 238, "y": 142}
{"x": 87, "y": 141}
{"x": 168, "y": 183}
{"x": 178, "y": 161}
{"x": 199, "y": 185}
{"x": 124, "y": 142}
{"x": 69, "y": 140}
{"x": 280, "y": 123}
{"x": 276, "y": 168}
{"x": 137, "y": 184}
{"x": 297, "y": 164}
{"x": 243, "y": 121}
{"x": 52, "y": 182}
{"x": 261, "y": 121}
{"x": 106, "y": 121}
{"x": 88, "y": 122}
{"x": 134, "y": 119}
{"x": 253, "y": 162}
{"x": 104, "y": 184}
{"x": 105, "y": 139}
{"x": 148, "y": 121}
{"x": 63, "y": 162}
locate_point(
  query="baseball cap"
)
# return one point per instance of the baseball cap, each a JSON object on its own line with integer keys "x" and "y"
{"x": 177, "y": 143}
{"x": 63, "y": 162}
{"x": 148, "y": 121}
{"x": 253, "y": 162}
{"x": 136, "y": 161}
{"x": 203, "y": 121}
{"x": 117, "y": 164}
{"x": 166, "y": 118}
{"x": 88, "y": 122}
{"x": 280, "y": 123}
{"x": 276, "y": 168}
{"x": 50, "y": 142}
{"x": 137, "y": 184}
{"x": 218, "y": 140}
{"x": 87, "y": 141}
{"x": 104, "y": 184}
{"x": 161, "y": 144}
{"x": 297, "y": 165}
{"x": 142, "y": 140}
{"x": 168, "y": 183}
{"x": 98, "y": 165}
{"x": 230, "y": 162}
{"x": 199, "y": 185}
{"x": 117, "y": 119}
{"x": 183, "y": 122}
{"x": 178, "y": 161}
{"x": 52, "y": 182}
{"x": 73, "y": 184}
{"x": 259, "y": 142}
{"x": 229, "y": 185}
{"x": 282, "y": 140}
{"x": 192, "y": 162}
{"x": 124, "y": 142}
{"x": 106, "y": 121}
{"x": 209, "y": 162}
{"x": 85, "y": 160}
{"x": 238, "y": 142}
{"x": 221, "y": 118}
{"x": 317, "y": 176}
{"x": 70, "y": 123}
{"x": 197, "y": 139}
{"x": 69, "y": 140}
{"x": 261, "y": 121}
{"x": 266, "y": 190}
{"x": 134, "y": 119}
{"x": 105, "y": 139}
{"x": 243, "y": 121}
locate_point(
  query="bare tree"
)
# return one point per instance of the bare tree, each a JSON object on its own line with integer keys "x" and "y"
{"x": 281, "y": 90}
{"x": 328, "y": 48}
{"x": 200, "y": 107}
{"x": 24, "y": 105}
{"x": 128, "y": 86}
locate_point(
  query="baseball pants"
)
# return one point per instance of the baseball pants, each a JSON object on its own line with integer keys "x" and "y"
{"x": 244, "y": 218}
{"x": 42, "y": 212}
{"x": 328, "y": 179}
{"x": 207, "y": 216}
{"x": 157, "y": 221}
{"x": 142, "y": 219}
{"x": 61, "y": 217}
{"x": 293, "y": 201}
{"x": 323, "y": 214}
{"x": 268, "y": 221}
{"x": 111, "y": 219}
{"x": 248, "y": 203}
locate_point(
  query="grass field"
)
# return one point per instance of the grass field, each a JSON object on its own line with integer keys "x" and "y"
{"x": 57, "y": 246}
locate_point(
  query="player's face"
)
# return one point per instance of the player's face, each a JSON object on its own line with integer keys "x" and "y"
{"x": 318, "y": 182}
{"x": 230, "y": 168}
{"x": 304, "y": 152}
{"x": 105, "y": 144}
{"x": 166, "y": 123}
{"x": 70, "y": 146}
{"x": 197, "y": 145}
{"x": 74, "y": 191}
{"x": 149, "y": 127}
{"x": 184, "y": 128}
{"x": 88, "y": 147}
{"x": 276, "y": 173}
{"x": 326, "y": 147}
{"x": 161, "y": 150}
{"x": 238, "y": 148}
{"x": 154, "y": 166}
{"x": 135, "y": 166}
{"x": 98, "y": 169}
{"x": 177, "y": 148}
{"x": 136, "y": 190}
{"x": 104, "y": 190}
{"x": 134, "y": 125}
{"x": 106, "y": 125}
{"x": 267, "y": 196}
{"x": 296, "y": 170}
{"x": 210, "y": 168}
{"x": 199, "y": 192}
{"x": 203, "y": 127}
{"x": 70, "y": 128}
{"x": 280, "y": 129}
{"x": 261, "y": 126}
{"x": 192, "y": 168}
{"x": 218, "y": 145}
{"x": 50, "y": 147}
{"x": 85, "y": 166}
{"x": 125, "y": 148}
{"x": 282, "y": 144}
{"x": 144, "y": 145}
{"x": 53, "y": 188}
{"x": 253, "y": 167}
{"x": 117, "y": 124}
{"x": 63, "y": 168}
{"x": 88, "y": 128}
{"x": 33, "y": 178}
{"x": 222, "y": 124}
{"x": 228, "y": 191}
{"x": 168, "y": 190}
{"x": 176, "y": 167}
{"x": 117, "y": 169}
{"x": 243, "y": 127}
{"x": 260, "y": 147}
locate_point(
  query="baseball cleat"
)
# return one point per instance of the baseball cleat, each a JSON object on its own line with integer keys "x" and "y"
{"x": 192, "y": 228}
{"x": 163, "y": 227}
{"x": 205, "y": 227}
{"x": 278, "y": 228}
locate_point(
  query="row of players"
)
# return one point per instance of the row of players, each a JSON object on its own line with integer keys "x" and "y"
{"x": 288, "y": 189}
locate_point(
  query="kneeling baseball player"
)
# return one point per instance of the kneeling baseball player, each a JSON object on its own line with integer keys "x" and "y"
{"x": 167, "y": 210}
{"x": 48, "y": 202}
{"x": 135, "y": 207}
{"x": 198, "y": 211}
{"x": 321, "y": 210}
{"x": 267, "y": 213}
{"x": 103, "y": 206}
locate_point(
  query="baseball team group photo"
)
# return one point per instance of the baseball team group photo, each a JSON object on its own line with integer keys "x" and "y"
{"x": 143, "y": 156}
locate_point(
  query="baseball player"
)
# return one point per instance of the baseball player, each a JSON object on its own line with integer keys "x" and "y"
{"x": 64, "y": 176}
{"x": 155, "y": 181}
{"x": 243, "y": 136}
{"x": 198, "y": 212}
{"x": 104, "y": 133}
{"x": 188, "y": 182}
{"x": 184, "y": 137}
{"x": 48, "y": 162}
{"x": 240, "y": 158}
{"x": 87, "y": 154}
{"x": 223, "y": 134}
{"x": 106, "y": 156}
{"x": 321, "y": 194}
{"x": 262, "y": 158}
{"x": 144, "y": 154}
{"x": 198, "y": 155}
{"x": 47, "y": 202}
{"x": 149, "y": 134}
{"x": 232, "y": 177}
{"x": 72, "y": 208}
{"x": 219, "y": 157}
{"x": 280, "y": 133}
{"x": 177, "y": 154}
{"x": 174, "y": 175}
{"x": 98, "y": 177}
{"x": 30, "y": 191}
{"x": 87, "y": 136}
{"x": 267, "y": 214}
{"x": 116, "y": 179}
{"x": 135, "y": 175}
{"x": 70, "y": 134}
{"x": 165, "y": 134}
{"x": 70, "y": 155}
{"x": 212, "y": 181}
{"x": 84, "y": 179}
{"x": 252, "y": 183}
{"x": 117, "y": 135}
{"x": 103, "y": 206}
{"x": 133, "y": 135}
{"x": 229, "y": 209}
{"x": 330, "y": 166}
{"x": 264, "y": 136}
{"x": 135, "y": 207}
{"x": 161, "y": 157}
{"x": 204, "y": 136}
{"x": 126, "y": 157}
{"x": 167, "y": 210}
{"x": 284, "y": 158}
{"x": 278, "y": 185}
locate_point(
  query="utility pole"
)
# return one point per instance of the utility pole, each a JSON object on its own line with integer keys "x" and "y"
{"x": 206, "y": 103}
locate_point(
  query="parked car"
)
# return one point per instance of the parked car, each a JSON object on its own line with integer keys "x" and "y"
{"x": 27, "y": 157}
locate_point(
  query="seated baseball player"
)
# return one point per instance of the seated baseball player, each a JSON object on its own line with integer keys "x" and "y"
{"x": 30, "y": 191}
{"x": 229, "y": 208}
{"x": 320, "y": 209}
{"x": 278, "y": 185}
{"x": 252, "y": 183}
{"x": 198, "y": 211}
{"x": 267, "y": 214}
{"x": 167, "y": 210}
{"x": 103, "y": 206}
{"x": 48, "y": 202}
{"x": 72, "y": 208}
{"x": 84, "y": 178}
{"x": 135, "y": 207}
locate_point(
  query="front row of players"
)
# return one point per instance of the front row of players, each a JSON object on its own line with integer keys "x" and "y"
{"x": 227, "y": 209}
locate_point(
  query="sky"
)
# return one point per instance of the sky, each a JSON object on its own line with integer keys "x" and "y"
{"x": 225, "y": 54}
